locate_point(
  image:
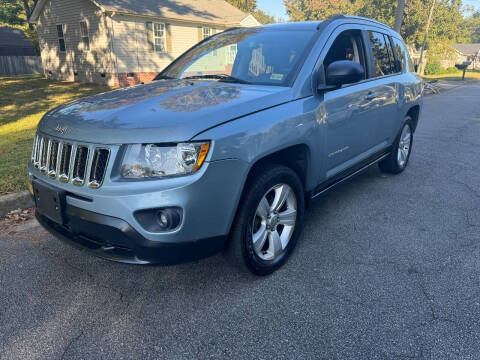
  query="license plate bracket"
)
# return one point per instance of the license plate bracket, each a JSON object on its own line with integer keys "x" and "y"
{"x": 49, "y": 201}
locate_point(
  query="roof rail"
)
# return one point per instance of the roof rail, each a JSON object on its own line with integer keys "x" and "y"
{"x": 337, "y": 17}
{"x": 327, "y": 21}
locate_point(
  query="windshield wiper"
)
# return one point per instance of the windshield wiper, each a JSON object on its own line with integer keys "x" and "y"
{"x": 223, "y": 77}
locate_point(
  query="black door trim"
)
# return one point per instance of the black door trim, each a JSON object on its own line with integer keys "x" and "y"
{"x": 350, "y": 172}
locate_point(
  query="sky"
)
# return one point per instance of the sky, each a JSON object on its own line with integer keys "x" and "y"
{"x": 273, "y": 7}
{"x": 277, "y": 8}
{"x": 475, "y": 3}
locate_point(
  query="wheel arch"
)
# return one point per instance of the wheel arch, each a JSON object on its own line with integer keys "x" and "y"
{"x": 414, "y": 113}
{"x": 296, "y": 157}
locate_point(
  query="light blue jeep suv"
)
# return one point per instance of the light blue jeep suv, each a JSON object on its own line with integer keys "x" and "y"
{"x": 224, "y": 150}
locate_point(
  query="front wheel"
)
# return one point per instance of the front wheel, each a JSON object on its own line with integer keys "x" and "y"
{"x": 268, "y": 222}
{"x": 397, "y": 160}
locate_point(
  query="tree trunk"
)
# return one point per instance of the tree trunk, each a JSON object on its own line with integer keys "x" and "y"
{"x": 399, "y": 16}
{"x": 28, "y": 12}
{"x": 421, "y": 67}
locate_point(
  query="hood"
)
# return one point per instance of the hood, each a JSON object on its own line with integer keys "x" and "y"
{"x": 161, "y": 111}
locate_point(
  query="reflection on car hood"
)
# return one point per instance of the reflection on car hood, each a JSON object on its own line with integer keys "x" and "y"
{"x": 161, "y": 111}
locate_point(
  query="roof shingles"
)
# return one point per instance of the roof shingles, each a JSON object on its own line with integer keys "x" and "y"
{"x": 13, "y": 42}
{"x": 467, "y": 49}
{"x": 202, "y": 11}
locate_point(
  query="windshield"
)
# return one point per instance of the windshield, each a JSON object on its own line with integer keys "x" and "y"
{"x": 253, "y": 56}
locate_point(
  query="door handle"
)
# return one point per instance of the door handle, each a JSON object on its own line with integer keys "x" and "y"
{"x": 370, "y": 96}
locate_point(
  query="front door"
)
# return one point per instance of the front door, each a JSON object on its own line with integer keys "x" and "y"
{"x": 357, "y": 116}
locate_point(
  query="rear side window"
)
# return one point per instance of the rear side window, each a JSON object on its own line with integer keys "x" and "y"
{"x": 401, "y": 54}
{"x": 382, "y": 54}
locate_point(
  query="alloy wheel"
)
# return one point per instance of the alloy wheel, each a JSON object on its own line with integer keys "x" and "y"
{"x": 404, "y": 146}
{"x": 274, "y": 222}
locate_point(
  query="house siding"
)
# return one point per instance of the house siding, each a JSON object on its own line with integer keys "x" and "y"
{"x": 76, "y": 63}
{"x": 119, "y": 54}
{"x": 133, "y": 52}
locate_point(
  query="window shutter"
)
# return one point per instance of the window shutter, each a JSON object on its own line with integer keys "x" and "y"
{"x": 168, "y": 29}
{"x": 200, "y": 33}
{"x": 149, "y": 26}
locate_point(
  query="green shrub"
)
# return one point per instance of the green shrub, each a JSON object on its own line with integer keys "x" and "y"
{"x": 433, "y": 68}
{"x": 451, "y": 70}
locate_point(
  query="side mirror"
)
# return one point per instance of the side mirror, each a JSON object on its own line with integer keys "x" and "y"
{"x": 344, "y": 72}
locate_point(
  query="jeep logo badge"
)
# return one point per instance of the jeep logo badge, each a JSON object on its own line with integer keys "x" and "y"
{"x": 61, "y": 130}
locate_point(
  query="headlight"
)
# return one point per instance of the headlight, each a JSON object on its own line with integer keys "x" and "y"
{"x": 157, "y": 160}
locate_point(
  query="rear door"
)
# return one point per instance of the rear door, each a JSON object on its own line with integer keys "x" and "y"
{"x": 385, "y": 91}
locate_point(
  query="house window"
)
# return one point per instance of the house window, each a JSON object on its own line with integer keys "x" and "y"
{"x": 84, "y": 35}
{"x": 159, "y": 37}
{"x": 207, "y": 32}
{"x": 232, "y": 54}
{"x": 61, "y": 38}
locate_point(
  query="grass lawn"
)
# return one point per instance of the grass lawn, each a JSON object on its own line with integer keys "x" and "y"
{"x": 470, "y": 74}
{"x": 23, "y": 101}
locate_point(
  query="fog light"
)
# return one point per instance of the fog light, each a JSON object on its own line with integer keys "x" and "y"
{"x": 162, "y": 219}
{"x": 169, "y": 218}
{"x": 159, "y": 220}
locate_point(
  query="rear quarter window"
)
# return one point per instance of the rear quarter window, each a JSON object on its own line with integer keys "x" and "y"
{"x": 401, "y": 53}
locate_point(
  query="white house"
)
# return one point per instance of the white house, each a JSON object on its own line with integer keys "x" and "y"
{"x": 123, "y": 42}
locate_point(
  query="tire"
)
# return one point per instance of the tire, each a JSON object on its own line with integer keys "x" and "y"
{"x": 397, "y": 161}
{"x": 270, "y": 184}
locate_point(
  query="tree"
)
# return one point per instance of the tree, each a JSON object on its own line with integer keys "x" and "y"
{"x": 15, "y": 13}
{"x": 248, "y": 6}
{"x": 11, "y": 12}
{"x": 448, "y": 23}
{"x": 399, "y": 15}
{"x": 263, "y": 17}
{"x": 421, "y": 67}
{"x": 302, "y": 10}
{"x": 471, "y": 28}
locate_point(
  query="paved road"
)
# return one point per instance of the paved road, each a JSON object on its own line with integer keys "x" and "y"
{"x": 388, "y": 268}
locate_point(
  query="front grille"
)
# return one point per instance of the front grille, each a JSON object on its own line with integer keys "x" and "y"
{"x": 43, "y": 155}
{"x": 35, "y": 150}
{"x": 52, "y": 159}
{"x": 80, "y": 167}
{"x": 65, "y": 161}
{"x": 99, "y": 166}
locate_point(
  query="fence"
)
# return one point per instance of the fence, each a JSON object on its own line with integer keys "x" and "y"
{"x": 15, "y": 65}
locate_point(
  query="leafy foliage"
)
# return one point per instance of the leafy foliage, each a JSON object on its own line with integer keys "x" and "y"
{"x": 250, "y": 6}
{"x": 433, "y": 68}
{"x": 471, "y": 27}
{"x": 15, "y": 13}
{"x": 449, "y": 24}
{"x": 247, "y": 6}
{"x": 263, "y": 17}
{"x": 12, "y": 12}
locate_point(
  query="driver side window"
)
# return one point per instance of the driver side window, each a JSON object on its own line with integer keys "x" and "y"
{"x": 347, "y": 46}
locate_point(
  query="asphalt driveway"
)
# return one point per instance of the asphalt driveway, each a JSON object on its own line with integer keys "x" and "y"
{"x": 388, "y": 267}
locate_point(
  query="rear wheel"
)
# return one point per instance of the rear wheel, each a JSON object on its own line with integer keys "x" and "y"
{"x": 397, "y": 161}
{"x": 268, "y": 222}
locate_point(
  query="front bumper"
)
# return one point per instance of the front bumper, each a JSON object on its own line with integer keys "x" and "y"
{"x": 114, "y": 239}
{"x": 103, "y": 222}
